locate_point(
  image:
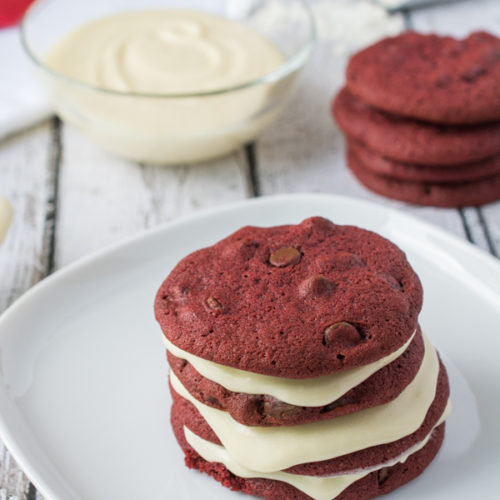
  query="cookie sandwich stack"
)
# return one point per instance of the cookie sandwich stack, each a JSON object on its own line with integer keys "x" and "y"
{"x": 421, "y": 116}
{"x": 297, "y": 366}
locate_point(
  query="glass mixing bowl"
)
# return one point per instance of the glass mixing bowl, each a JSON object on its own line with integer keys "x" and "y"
{"x": 181, "y": 127}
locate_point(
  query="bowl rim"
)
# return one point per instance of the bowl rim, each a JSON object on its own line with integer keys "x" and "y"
{"x": 290, "y": 65}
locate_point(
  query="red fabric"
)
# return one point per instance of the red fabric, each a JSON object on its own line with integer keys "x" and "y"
{"x": 11, "y": 11}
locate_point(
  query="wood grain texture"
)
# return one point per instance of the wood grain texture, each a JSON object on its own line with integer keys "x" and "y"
{"x": 26, "y": 173}
{"x": 105, "y": 199}
{"x": 479, "y": 231}
{"x": 26, "y": 183}
{"x": 489, "y": 217}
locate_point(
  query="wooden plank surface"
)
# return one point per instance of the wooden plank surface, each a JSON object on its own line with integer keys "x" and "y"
{"x": 104, "y": 199}
{"x": 70, "y": 198}
{"x": 491, "y": 217}
{"x": 27, "y": 181}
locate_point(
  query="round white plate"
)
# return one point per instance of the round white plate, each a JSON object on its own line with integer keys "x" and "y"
{"x": 84, "y": 406}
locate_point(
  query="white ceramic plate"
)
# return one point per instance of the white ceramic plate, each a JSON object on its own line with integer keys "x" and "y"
{"x": 83, "y": 390}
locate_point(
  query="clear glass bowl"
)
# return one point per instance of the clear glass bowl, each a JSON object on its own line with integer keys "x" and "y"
{"x": 146, "y": 127}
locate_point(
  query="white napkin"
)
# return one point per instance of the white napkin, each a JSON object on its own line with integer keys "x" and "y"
{"x": 23, "y": 101}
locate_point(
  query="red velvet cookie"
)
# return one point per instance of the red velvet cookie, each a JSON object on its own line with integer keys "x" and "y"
{"x": 189, "y": 416}
{"x": 412, "y": 141}
{"x": 383, "y": 165}
{"x": 295, "y": 301}
{"x": 458, "y": 194}
{"x": 183, "y": 413}
{"x": 430, "y": 77}
{"x": 383, "y": 386}
{"x": 376, "y": 483}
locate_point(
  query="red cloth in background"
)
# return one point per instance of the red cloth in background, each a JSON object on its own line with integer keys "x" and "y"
{"x": 11, "y": 11}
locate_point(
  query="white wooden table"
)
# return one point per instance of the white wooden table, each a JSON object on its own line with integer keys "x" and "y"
{"x": 70, "y": 198}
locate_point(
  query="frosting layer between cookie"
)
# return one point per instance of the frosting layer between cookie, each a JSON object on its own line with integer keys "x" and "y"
{"x": 268, "y": 449}
{"x": 299, "y": 392}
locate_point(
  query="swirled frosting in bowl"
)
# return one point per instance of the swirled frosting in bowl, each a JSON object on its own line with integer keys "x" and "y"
{"x": 164, "y": 86}
{"x": 164, "y": 52}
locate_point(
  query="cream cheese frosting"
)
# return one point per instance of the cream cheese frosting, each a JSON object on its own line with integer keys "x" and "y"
{"x": 318, "y": 488}
{"x": 269, "y": 449}
{"x": 318, "y": 391}
{"x": 164, "y": 51}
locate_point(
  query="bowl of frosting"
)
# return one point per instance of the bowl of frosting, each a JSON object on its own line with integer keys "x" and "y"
{"x": 169, "y": 82}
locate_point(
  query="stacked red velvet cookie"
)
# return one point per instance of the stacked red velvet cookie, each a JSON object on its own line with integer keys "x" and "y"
{"x": 298, "y": 368}
{"x": 421, "y": 115}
